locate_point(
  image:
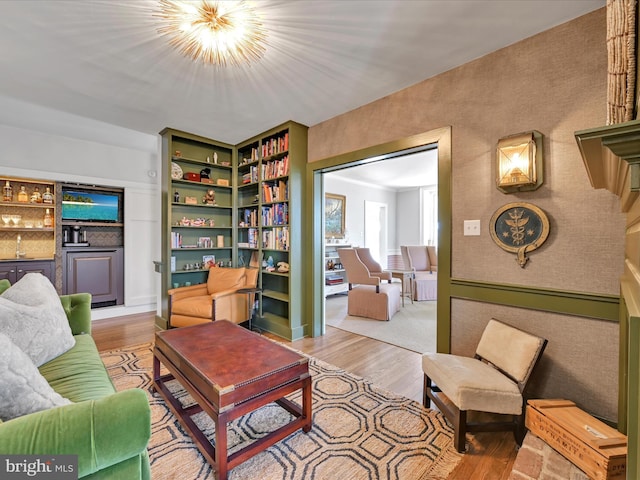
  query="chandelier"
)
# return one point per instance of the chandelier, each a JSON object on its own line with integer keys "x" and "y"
{"x": 214, "y": 32}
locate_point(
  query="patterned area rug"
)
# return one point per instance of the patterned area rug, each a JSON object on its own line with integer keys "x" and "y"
{"x": 360, "y": 432}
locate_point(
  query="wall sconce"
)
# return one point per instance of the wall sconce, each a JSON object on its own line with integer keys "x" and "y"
{"x": 519, "y": 162}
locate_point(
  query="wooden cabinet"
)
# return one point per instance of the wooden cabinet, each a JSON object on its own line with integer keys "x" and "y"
{"x": 96, "y": 270}
{"x": 14, "y": 271}
{"x": 335, "y": 277}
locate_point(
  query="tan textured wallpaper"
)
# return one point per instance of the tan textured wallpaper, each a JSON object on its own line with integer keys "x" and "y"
{"x": 580, "y": 362}
{"x": 554, "y": 82}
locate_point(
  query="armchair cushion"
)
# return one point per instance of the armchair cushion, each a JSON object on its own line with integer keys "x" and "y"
{"x": 33, "y": 317}
{"x": 23, "y": 389}
{"x": 225, "y": 279}
{"x": 473, "y": 385}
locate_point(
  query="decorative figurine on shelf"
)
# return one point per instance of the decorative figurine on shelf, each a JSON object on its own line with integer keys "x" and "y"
{"x": 215, "y": 157}
{"x": 23, "y": 196}
{"x": 205, "y": 173}
{"x": 270, "y": 267}
{"x": 176, "y": 197}
{"x": 185, "y": 222}
{"x": 210, "y": 197}
{"x": 7, "y": 192}
{"x": 283, "y": 267}
{"x": 47, "y": 196}
{"x": 36, "y": 197}
{"x": 212, "y": 222}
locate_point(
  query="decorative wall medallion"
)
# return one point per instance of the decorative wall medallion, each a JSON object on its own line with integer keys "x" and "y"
{"x": 519, "y": 228}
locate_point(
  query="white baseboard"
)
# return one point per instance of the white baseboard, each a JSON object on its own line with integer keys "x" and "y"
{"x": 120, "y": 310}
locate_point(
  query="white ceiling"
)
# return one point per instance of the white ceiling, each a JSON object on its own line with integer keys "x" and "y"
{"x": 103, "y": 59}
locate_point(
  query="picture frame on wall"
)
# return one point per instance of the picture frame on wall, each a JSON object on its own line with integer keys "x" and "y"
{"x": 334, "y": 215}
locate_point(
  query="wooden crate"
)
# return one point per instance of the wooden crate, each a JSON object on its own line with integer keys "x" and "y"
{"x": 594, "y": 447}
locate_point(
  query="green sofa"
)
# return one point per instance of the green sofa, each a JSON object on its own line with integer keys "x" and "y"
{"x": 108, "y": 430}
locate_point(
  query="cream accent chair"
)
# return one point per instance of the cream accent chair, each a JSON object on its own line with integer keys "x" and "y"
{"x": 375, "y": 269}
{"x": 423, "y": 260}
{"x": 368, "y": 296}
{"x": 215, "y": 300}
{"x": 494, "y": 380}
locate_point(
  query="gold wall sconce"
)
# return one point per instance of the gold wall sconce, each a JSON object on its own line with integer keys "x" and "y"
{"x": 519, "y": 162}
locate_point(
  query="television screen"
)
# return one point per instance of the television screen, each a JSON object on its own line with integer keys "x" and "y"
{"x": 90, "y": 206}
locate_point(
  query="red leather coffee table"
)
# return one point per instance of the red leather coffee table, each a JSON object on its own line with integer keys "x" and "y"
{"x": 230, "y": 371}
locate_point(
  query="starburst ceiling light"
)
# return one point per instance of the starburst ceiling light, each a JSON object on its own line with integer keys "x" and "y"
{"x": 215, "y": 32}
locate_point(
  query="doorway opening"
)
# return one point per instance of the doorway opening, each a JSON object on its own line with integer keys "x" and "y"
{"x": 384, "y": 209}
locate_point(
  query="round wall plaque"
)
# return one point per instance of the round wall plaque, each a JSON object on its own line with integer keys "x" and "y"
{"x": 519, "y": 228}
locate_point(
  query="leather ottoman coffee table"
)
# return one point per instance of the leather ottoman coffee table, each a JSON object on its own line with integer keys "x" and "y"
{"x": 230, "y": 371}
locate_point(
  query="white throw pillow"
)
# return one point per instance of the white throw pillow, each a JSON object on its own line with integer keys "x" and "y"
{"x": 32, "y": 316}
{"x": 23, "y": 389}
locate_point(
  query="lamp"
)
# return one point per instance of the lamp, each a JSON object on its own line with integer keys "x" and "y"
{"x": 519, "y": 162}
{"x": 216, "y": 32}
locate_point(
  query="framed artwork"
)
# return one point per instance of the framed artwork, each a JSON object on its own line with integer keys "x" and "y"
{"x": 334, "y": 215}
{"x": 208, "y": 261}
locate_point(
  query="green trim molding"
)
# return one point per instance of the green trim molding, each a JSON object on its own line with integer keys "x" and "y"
{"x": 602, "y": 307}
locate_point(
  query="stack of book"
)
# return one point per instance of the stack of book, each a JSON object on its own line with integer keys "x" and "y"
{"x": 333, "y": 279}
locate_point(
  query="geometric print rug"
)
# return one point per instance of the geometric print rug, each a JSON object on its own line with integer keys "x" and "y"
{"x": 360, "y": 431}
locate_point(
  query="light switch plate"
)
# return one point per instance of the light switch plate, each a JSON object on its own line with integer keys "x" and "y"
{"x": 471, "y": 227}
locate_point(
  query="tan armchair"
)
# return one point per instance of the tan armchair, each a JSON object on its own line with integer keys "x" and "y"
{"x": 215, "y": 300}
{"x": 368, "y": 296}
{"x": 423, "y": 260}
{"x": 494, "y": 380}
{"x": 375, "y": 269}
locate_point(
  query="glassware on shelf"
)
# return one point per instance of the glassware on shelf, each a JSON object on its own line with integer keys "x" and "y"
{"x": 6, "y": 220}
{"x": 16, "y": 220}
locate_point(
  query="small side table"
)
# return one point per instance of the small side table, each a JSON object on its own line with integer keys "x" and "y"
{"x": 250, "y": 291}
{"x": 404, "y": 276}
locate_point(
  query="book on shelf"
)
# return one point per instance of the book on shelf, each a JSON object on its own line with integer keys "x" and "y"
{"x": 276, "y": 238}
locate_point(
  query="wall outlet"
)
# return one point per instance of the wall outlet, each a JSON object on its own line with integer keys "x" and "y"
{"x": 471, "y": 227}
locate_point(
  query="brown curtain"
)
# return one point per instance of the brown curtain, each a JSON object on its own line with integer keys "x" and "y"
{"x": 621, "y": 50}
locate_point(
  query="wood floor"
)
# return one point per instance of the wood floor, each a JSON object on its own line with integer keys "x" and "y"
{"x": 489, "y": 456}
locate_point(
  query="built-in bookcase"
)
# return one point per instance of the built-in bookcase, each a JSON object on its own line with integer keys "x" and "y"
{"x": 197, "y": 208}
{"x": 269, "y": 197}
{"x": 257, "y": 214}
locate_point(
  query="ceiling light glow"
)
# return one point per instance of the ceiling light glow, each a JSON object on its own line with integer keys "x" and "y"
{"x": 214, "y": 32}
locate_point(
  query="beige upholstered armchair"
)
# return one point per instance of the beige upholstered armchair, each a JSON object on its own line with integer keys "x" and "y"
{"x": 218, "y": 299}
{"x": 494, "y": 380}
{"x": 375, "y": 269}
{"x": 423, "y": 260}
{"x": 368, "y": 296}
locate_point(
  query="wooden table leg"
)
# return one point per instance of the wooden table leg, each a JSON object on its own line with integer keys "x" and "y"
{"x": 221, "y": 447}
{"x": 306, "y": 404}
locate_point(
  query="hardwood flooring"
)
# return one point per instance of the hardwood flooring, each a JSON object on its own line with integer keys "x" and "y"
{"x": 489, "y": 456}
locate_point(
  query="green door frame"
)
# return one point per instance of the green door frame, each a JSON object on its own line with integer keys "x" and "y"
{"x": 439, "y": 138}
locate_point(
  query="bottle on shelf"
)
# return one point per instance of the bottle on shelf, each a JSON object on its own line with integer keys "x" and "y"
{"x": 23, "y": 196}
{"x": 48, "y": 219}
{"x": 36, "y": 196}
{"x": 47, "y": 196}
{"x": 7, "y": 192}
